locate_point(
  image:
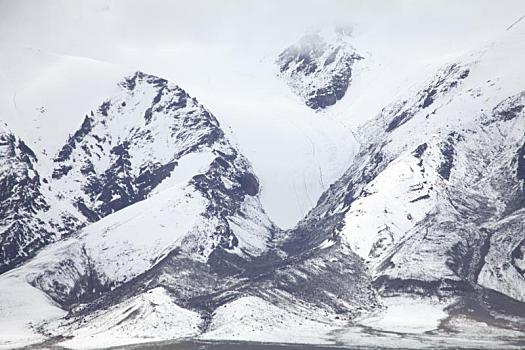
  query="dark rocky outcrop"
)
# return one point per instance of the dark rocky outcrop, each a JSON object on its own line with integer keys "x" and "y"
{"x": 317, "y": 70}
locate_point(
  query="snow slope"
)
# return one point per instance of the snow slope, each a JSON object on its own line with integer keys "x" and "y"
{"x": 437, "y": 171}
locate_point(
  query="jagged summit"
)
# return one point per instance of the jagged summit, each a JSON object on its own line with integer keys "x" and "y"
{"x": 318, "y": 68}
{"x": 130, "y": 144}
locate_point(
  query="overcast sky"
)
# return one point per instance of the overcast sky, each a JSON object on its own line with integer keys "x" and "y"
{"x": 109, "y": 29}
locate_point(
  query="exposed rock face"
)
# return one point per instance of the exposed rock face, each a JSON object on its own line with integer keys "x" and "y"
{"x": 130, "y": 144}
{"x": 318, "y": 67}
{"x": 30, "y": 216}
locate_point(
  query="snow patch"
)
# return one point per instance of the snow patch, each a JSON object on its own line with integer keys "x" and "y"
{"x": 408, "y": 315}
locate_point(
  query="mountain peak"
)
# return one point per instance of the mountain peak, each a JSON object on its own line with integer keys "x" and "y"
{"x": 318, "y": 67}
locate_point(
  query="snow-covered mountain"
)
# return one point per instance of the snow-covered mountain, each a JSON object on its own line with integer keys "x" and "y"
{"x": 434, "y": 200}
{"x": 193, "y": 195}
{"x": 132, "y": 142}
{"x": 318, "y": 67}
{"x": 148, "y": 223}
{"x": 436, "y": 170}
